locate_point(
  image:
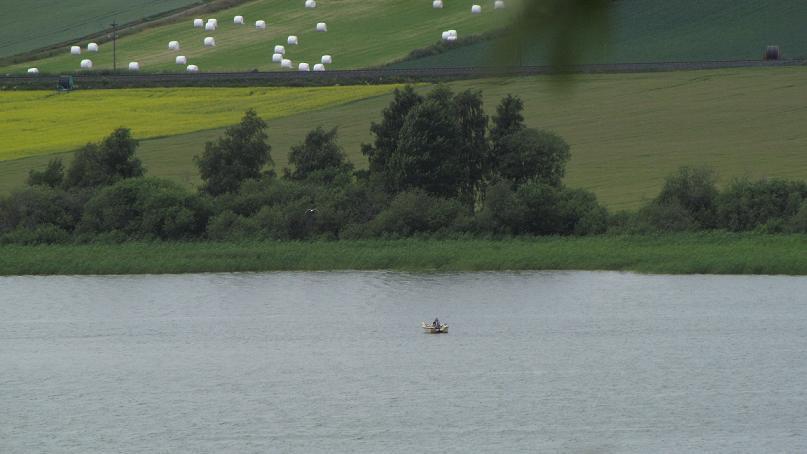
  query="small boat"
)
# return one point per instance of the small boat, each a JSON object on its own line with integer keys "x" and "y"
{"x": 430, "y": 329}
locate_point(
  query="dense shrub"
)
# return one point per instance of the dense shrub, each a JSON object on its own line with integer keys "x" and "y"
{"x": 530, "y": 154}
{"x": 52, "y": 176}
{"x": 319, "y": 157}
{"x": 694, "y": 190}
{"x": 748, "y": 205}
{"x": 105, "y": 163}
{"x": 146, "y": 208}
{"x": 415, "y": 212}
{"x": 31, "y": 207}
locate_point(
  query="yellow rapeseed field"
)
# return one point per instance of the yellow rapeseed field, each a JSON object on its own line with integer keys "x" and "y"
{"x": 42, "y": 122}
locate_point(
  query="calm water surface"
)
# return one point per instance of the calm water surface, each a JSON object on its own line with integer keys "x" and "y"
{"x": 325, "y": 362}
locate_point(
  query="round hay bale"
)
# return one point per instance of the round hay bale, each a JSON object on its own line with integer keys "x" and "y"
{"x": 75, "y": 50}
{"x": 499, "y": 4}
{"x": 292, "y": 40}
{"x": 210, "y": 27}
{"x": 772, "y": 53}
{"x": 286, "y": 63}
{"x": 192, "y": 69}
{"x": 444, "y": 37}
{"x": 280, "y": 49}
{"x": 134, "y": 66}
{"x": 173, "y": 45}
{"x": 214, "y": 22}
{"x": 277, "y": 58}
{"x": 476, "y": 9}
{"x": 310, "y": 4}
{"x": 437, "y": 4}
{"x": 322, "y": 27}
{"x": 319, "y": 67}
{"x": 326, "y": 60}
{"x": 304, "y": 67}
{"x": 181, "y": 60}
{"x": 33, "y": 71}
{"x": 92, "y": 47}
{"x": 238, "y": 20}
{"x": 86, "y": 64}
{"x": 260, "y": 25}
{"x": 198, "y": 23}
{"x": 210, "y": 42}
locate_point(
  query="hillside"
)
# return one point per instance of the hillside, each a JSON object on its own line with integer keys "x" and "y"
{"x": 627, "y": 132}
{"x": 32, "y": 24}
{"x": 360, "y": 34}
{"x": 669, "y": 30}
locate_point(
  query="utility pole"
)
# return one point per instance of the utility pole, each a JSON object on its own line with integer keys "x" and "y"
{"x": 114, "y": 46}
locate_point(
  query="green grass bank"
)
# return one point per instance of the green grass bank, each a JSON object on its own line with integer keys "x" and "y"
{"x": 708, "y": 253}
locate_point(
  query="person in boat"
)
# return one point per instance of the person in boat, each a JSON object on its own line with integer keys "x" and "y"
{"x": 436, "y": 323}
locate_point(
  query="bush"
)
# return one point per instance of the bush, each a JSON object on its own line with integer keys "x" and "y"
{"x": 529, "y": 154}
{"x": 748, "y": 205}
{"x": 41, "y": 234}
{"x": 31, "y": 207}
{"x": 415, "y": 212}
{"x": 145, "y": 208}
{"x": 52, "y": 176}
{"x": 319, "y": 157}
{"x": 670, "y": 217}
{"x": 105, "y": 163}
{"x": 694, "y": 190}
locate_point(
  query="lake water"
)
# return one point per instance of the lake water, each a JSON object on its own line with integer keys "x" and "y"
{"x": 337, "y": 362}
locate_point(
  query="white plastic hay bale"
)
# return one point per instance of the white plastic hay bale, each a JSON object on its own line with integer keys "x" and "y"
{"x": 92, "y": 47}
{"x": 286, "y": 63}
{"x": 181, "y": 60}
{"x": 260, "y": 25}
{"x": 445, "y": 36}
{"x": 319, "y": 67}
{"x": 173, "y": 45}
{"x": 310, "y": 4}
{"x": 238, "y": 20}
{"x": 75, "y": 50}
{"x": 292, "y": 40}
{"x": 476, "y": 9}
{"x": 326, "y": 60}
{"x": 134, "y": 66}
{"x": 210, "y": 27}
{"x": 192, "y": 69}
{"x": 452, "y": 34}
{"x": 210, "y": 42}
{"x": 280, "y": 49}
{"x": 86, "y": 64}
{"x": 437, "y": 4}
{"x": 214, "y": 22}
{"x": 33, "y": 71}
{"x": 451, "y": 38}
{"x": 198, "y": 23}
{"x": 304, "y": 67}
{"x": 322, "y": 27}
{"x": 277, "y": 58}
{"x": 499, "y": 4}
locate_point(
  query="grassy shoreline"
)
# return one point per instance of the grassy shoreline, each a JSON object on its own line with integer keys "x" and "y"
{"x": 706, "y": 253}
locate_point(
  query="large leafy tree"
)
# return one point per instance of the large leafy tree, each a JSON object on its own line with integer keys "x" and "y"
{"x": 531, "y": 154}
{"x": 105, "y": 163}
{"x": 388, "y": 130}
{"x": 239, "y": 155}
{"x": 319, "y": 154}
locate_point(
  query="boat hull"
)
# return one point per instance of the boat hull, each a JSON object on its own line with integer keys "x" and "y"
{"x": 429, "y": 329}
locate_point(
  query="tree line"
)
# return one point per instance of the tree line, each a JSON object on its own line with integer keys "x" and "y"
{"x": 438, "y": 166}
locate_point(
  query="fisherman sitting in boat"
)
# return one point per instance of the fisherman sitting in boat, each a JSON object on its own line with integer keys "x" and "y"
{"x": 436, "y": 323}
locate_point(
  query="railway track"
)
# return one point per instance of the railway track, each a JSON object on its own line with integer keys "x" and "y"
{"x": 384, "y": 75}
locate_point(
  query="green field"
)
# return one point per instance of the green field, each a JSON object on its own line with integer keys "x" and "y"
{"x": 29, "y": 25}
{"x": 713, "y": 253}
{"x": 37, "y": 122}
{"x": 627, "y": 131}
{"x": 669, "y": 30}
{"x": 360, "y": 34}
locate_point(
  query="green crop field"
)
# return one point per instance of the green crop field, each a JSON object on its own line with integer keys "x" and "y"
{"x": 627, "y": 132}
{"x": 360, "y": 34}
{"x": 669, "y": 30}
{"x": 36, "y": 122}
{"x": 29, "y": 25}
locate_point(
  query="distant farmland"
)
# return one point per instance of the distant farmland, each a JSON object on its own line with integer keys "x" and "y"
{"x": 29, "y": 25}
{"x": 627, "y": 131}
{"x": 360, "y": 34}
{"x": 665, "y": 30}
